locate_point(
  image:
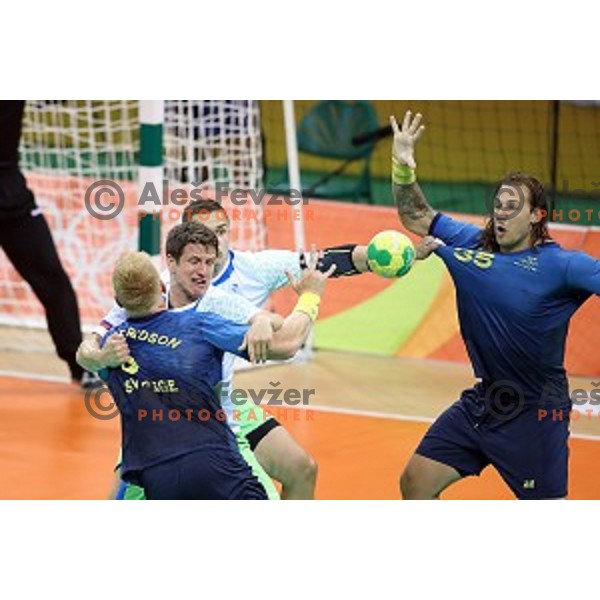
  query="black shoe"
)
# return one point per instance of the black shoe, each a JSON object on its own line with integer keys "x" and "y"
{"x": 90, "y": 381}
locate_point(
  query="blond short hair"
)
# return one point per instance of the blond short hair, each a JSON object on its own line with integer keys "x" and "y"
{"x": 136, "y": 283}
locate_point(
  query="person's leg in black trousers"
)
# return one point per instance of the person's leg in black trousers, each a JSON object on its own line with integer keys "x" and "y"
{"x": 28, "y": 244}
{"x": 26, "y": 239}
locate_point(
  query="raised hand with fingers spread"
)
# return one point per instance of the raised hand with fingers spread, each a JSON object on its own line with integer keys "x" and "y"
{"x": 413, "y": 209}
{"x": 406, "y": 138}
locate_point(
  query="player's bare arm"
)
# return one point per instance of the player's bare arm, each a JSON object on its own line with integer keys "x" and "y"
{"x": 93, "y": 358}
{"x": 413, "y": 209}
{"x": 296, "y": 327}
{"x": 359, "y": 253}
{"x": 88, "y": 353}
{"x": 116, "y": 351}
{"x": 359, "y": 258}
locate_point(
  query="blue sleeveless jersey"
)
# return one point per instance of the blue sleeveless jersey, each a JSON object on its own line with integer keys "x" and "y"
{"x": 514, "y": 309}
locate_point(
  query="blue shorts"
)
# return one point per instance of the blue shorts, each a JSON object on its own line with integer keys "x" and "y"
{"x": 529, "y": 451}
{"x": 209, "y": 474}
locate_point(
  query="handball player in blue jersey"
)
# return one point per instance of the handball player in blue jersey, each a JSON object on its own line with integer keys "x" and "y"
{"x": 516, "y": 292}
{"x": 175, "y": 438}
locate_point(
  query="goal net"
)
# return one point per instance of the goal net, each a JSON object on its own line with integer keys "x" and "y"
{"x": 67, "y": 145}
{"x": 217, "y": 145}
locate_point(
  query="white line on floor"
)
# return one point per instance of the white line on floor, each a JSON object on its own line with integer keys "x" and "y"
{"x": 330, "y": 409}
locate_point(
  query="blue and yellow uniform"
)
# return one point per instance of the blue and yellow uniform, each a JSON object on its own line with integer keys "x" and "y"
{"x": 514, "y": 311}
{"x": 175, "y": 438}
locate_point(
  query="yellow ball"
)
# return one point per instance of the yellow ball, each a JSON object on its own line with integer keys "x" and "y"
{"x": 390, "y": 254}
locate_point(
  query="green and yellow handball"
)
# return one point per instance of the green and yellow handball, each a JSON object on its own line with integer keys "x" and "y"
{"x": 390, "y": 254}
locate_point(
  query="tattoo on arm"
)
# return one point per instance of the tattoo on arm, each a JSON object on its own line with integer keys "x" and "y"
{"x": 411, "y": 202}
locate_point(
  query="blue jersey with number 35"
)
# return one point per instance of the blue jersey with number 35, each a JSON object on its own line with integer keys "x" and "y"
{"x": 514, "y": 309}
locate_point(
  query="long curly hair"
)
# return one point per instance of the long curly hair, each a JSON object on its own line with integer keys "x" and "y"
{"x": 537, "y": 199}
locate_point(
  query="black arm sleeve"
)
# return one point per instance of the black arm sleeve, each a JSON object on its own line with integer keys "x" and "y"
{"x": 340, "y": 256}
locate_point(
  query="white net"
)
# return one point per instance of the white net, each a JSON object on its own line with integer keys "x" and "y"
{"x": 218, "y": 144}
{"x": 68, "y": 145}
{"x": 214, "y": 141}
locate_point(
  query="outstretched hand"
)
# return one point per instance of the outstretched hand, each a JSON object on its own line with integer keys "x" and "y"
{"x": 406, "y": 138}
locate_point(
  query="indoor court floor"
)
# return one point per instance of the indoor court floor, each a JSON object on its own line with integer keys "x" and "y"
{"x": 365, "y": 418}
